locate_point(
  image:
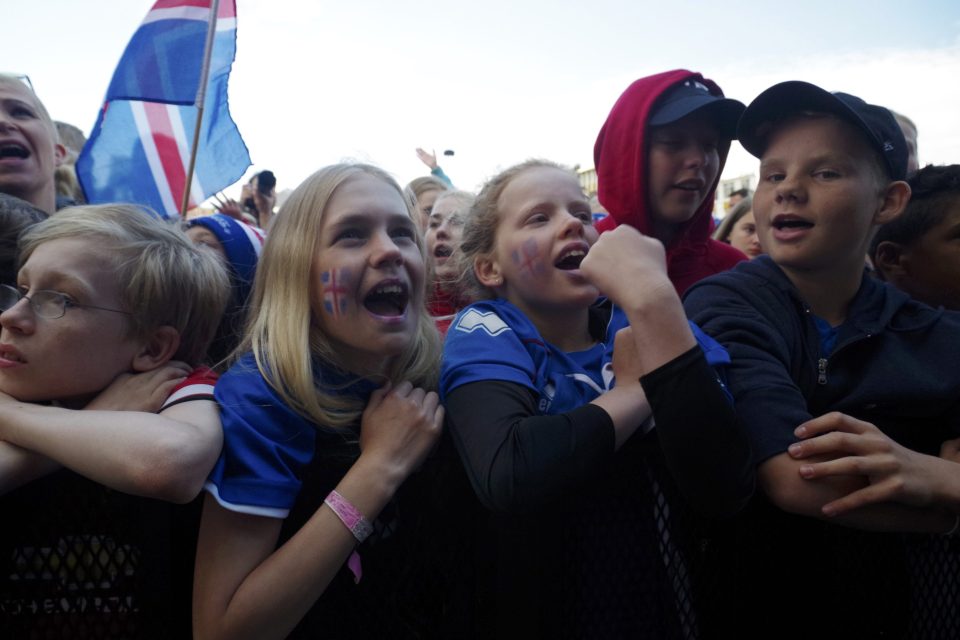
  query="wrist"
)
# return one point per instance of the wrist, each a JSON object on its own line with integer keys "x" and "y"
{"x": 379, "y": 474}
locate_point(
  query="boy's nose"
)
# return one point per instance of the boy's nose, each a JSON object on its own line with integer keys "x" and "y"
{"x": 19, "y": 317}
{"x": 788, "y": 189}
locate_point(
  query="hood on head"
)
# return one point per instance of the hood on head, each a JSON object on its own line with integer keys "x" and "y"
{"x": 620, "y": 158}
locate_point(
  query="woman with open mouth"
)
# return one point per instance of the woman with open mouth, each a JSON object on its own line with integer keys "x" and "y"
{"x": 326, "y": 413}
{"x": 443, "y": 235}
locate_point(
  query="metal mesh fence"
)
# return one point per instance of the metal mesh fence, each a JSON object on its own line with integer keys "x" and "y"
{"x": 631, "y": 561}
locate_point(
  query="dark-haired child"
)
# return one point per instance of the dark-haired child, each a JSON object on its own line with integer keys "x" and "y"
{"x": 919, "y": 252}
{"x": 658, "y": 157}
{"x": 847, "y": 387}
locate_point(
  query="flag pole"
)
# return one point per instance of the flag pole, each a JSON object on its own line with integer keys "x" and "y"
{"x": 201, "y": 98}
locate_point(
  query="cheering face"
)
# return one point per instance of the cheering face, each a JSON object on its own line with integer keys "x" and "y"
{"x": 443, "y": 236}
{"x": 29, "y": 152}
{"x": 368, "y": 275}
{"x": 73, "y": 357}
{"x": 818, "y": 196}
{"x": 545, "y": 230}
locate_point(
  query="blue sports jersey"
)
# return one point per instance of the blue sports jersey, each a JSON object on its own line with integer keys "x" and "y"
{"x": 494, "y": 340}
{"x": 266, "y": 445}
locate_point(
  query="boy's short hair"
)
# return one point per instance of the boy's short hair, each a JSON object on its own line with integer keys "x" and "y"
{"x": 164, "y": 279}
{"x": 787, "y": 100}
{"x": 934, "y": 189}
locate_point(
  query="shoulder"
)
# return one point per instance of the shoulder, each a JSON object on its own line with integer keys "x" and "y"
{"x": 267, "y": 445}
{"x": 490, "y": 340}
{"x": 199, "y": 385}
{"x": 490, "y": 318}
{"x": 758, "y": 280}
{"x": 722, "y": 256}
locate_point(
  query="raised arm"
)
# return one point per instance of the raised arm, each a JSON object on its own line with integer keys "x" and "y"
{"x": 706, "y": 450}
{"x": 244, "y": 588}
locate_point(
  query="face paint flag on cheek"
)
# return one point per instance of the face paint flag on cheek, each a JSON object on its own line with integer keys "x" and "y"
{"x": 335, "y": 291}
{"x": 527, "y": 258}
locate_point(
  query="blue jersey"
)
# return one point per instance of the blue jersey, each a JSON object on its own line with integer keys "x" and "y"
{"x": 494, "y": 340}
{"x": 267, "y": 446}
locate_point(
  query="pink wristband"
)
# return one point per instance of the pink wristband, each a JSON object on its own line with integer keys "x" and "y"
{"x": 352, "y": 519}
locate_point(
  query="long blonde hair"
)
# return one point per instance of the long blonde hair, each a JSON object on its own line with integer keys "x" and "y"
{"x": 281, "y": 333}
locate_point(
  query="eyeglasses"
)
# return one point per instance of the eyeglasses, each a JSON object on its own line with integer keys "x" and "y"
{"x": 46, "y": 304}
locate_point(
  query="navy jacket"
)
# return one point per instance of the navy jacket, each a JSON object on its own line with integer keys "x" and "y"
{"x": 896, "y": 363}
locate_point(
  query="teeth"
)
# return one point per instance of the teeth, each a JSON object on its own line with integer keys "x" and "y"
{"x": 389, "y": 289}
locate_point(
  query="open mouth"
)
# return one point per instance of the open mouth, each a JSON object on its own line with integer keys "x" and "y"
{"x": 790, "y": 222}
{"x": 442, "y": 251}
{"x": 387, "y": 299}
{"x": 13, "y": 150}
{"x": 570, "y": 259}
{"x": 11, "y": 356}
{"x": 690, "y": 185}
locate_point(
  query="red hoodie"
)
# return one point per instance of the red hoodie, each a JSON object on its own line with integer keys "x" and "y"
{"x": 620, "y": 156}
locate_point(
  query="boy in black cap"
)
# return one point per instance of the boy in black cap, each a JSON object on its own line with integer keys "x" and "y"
{"x": 847, "y": 387}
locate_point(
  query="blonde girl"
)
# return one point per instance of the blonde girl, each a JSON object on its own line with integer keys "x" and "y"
{"x": 326, "y": 412}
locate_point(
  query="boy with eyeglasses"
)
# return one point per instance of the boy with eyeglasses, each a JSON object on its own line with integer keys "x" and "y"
{"x": 112, "y": 310}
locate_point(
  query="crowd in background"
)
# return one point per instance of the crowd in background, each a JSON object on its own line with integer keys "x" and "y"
{"x": 410, "y": 412}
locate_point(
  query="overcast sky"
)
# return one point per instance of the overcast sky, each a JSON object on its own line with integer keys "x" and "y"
{"x": 499, "y": 81}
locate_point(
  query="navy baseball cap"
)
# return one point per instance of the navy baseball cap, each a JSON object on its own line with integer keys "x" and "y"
{"x": 691, "y": 95}
{"x": 794, "y": 96}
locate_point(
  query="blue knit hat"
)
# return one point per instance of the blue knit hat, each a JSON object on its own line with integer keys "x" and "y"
{"x": 242, "y": 244}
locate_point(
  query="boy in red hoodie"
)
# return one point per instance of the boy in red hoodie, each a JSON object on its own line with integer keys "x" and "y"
{"x": 658, "y": 157}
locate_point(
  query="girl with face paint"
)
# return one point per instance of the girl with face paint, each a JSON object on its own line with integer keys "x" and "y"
{"x": 542, "y": 383}
{"x": 326, "y": 412}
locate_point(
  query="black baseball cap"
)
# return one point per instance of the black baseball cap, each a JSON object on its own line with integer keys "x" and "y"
{"x": 691, "y": 95}
{"x": 794, "y": 96}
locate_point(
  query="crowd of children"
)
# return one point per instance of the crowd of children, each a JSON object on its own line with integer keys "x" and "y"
{"x": 420, "y": 412}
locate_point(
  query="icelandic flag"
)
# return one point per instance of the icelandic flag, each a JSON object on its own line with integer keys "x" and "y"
{"x": 139, "y": 150}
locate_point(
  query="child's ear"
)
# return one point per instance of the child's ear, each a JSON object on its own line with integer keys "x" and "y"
{"x": 158, "y": 349}
{"x": 895, "y": 197}
{"x": 889, "y": 259}
{"x": 59, "y": 154}
{"x": 487, "y": 270}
